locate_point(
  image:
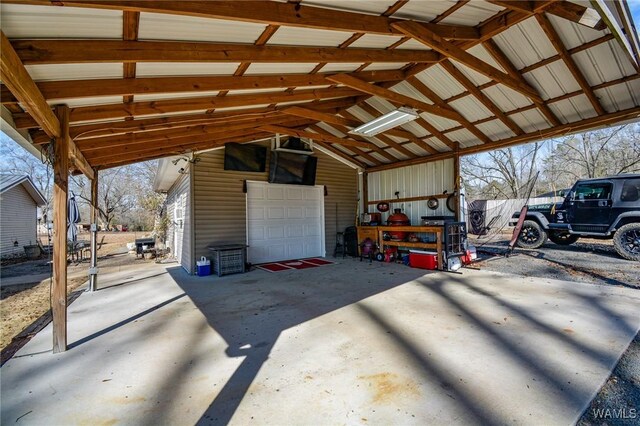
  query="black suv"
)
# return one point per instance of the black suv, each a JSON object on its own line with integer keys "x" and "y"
{"x": 601, "y": 208}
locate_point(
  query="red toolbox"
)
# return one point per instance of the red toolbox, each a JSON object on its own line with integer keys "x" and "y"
{"x": 423, "y": 259}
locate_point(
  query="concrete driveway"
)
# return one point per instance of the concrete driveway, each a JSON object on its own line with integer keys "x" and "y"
{"x": 349, "y": 343}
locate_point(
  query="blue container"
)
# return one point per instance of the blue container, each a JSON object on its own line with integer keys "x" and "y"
{"x": 203, "y": 267}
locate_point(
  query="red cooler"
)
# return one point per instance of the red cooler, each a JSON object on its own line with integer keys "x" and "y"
{"x": 423, "y": 259}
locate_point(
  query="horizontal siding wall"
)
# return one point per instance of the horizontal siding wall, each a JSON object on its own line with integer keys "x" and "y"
{"x": 18, "y": 221}
{"x": 413, "y": 181}
{"x": 220, "y": 203}
{"x": 179, "y": 195}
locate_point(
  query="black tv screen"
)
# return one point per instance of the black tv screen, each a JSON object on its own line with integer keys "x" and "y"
{"x": 245, "y": 158}
{"x": 293, "y": 169}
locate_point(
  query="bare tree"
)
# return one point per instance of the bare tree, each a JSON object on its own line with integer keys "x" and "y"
{"x": 503, "y": 173}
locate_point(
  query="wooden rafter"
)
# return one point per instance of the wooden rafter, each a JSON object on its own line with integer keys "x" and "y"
{"x": 130, "y": 26}
{"x": 273, "y": 13}
{"x": 426, "y": 91}
{"x": 67, "y": 89}
{"x": 505, "y": 63}
{"x": 374, "y": 90}
{"x": 357, "y": 151}
{"x": 554, "y": 38}
{"x": 115, "y": 111}
{"x": 484, "y": 99}
{"x": 342, "y": 154}
{"x": 575, "y": 13}
{"x": 422, "y": 34}
{"x": 37, "y": 51}
{"x": 316, "y": 136}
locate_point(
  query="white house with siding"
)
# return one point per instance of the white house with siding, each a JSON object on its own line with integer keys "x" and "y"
{"x": 19, "y": 202}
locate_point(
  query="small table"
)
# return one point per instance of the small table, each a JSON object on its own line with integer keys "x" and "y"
{"x": 228, "y": 258}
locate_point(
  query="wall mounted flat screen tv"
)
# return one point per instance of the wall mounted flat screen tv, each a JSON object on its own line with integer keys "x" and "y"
{"x": 293, "y": 169}
{"x": 245, "y": 158}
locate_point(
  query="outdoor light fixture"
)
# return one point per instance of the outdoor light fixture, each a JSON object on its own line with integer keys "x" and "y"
{"x": 385, "y": 122}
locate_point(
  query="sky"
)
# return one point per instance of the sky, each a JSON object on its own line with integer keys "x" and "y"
{"x": 634, "y": 5}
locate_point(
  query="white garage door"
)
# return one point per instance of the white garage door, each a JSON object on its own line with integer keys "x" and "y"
{"x": 284, "y": 222}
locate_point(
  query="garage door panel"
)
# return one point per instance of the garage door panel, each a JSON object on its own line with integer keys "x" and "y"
{"x": 288, "y": 223}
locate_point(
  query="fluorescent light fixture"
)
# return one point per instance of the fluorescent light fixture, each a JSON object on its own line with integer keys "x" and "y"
{"x": 385, "y": 122}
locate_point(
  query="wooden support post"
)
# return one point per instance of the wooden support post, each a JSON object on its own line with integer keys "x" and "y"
{"x": 365, "y": 192}
{"x": 93, "y": 270}
{"x": 60, "y": 193}
{"x": 457, "y": 183}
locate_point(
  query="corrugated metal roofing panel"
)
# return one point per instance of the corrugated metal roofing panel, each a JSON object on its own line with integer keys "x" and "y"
{"x": 380, "y": 104}
{"x": 413, "y": 45}
{"x": 180, "y": 95}
{"x": 374, "y": 7}
{"x": 26, "y": 21}
{"x": 437, "y": 144}
{"x": 464, "y": 137}
{"x": 423, "y": 10}
{"x": 475, "y": 77}
{"x": 481, "y": 53}
{"x": 438, "y": 122}
{"x": 573, "y": 109}
{"x": 359, "y": 113}
{"x": 379, "y": 66}
{"x": 495, "y": 130}
{"x": 621, "y": 96}
{"x": 416, "y": 149}
{"x": 79, "y": 102}
{"x": 603, "y": 63}
{"x": 525, "y": 44}
{"x": 374, "y": 41}
{"x": 440, "y": 81}
{"x": 256, "y": 91}
{"x": 47, "y": 72}
{"x": 156, "y": 69}
{"x": 308, "y": 37}
{"x": 407, "y": 89}
{"x": 553, "y": 80}
{"x": 279, "y": 68}
{"x": 331, "y": 130}
{"x": 472, "y": 13}
{"x": 338, "y": 67}
{"x": 471, "y": 108}
{"x": 572, "y": 34}
{"x": 160, "y": 26}
{"x": 530, "y": 121}
{"x": 505, "y": 98}
{"x": 414, "y": 128}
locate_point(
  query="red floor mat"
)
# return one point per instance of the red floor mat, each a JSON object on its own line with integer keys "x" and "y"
{"x": 294, "y": 264}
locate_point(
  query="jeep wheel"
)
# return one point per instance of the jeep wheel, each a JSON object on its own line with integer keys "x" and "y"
{"x": 626, "y": 240}
{"x": 531, "y": 235}
{"x": 563, "y": 238}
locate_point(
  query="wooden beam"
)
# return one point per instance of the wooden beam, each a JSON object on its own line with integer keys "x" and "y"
{"x": 374, "y": 90}
{"x": 576, "y": 13}
{"x": 38, "y": 51}
{"x": 484, "y": 99}
{"x": 505, "y": 63}
{"x": 315, "y": 136}
{"x": 116, "y": 111}
{"x": 575, "y": 127}
{"x": 357, "y": 151}
{"x": 66, "y": 89}
{"x": 16, "y": 77}
{"x": 130, "y": 26}
{"x": 289, "y": 14}
{"x": 517, "y": 5}
{"x": 59, "y": 263}
{"x": 553, "y": 36}
{"x": 426, "y": 91}
{"x": 452, "y": 51}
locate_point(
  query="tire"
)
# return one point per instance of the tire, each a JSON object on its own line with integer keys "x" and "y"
{"x": 531, "y": 235}
{"x": 563, "y": 238}
{"x": 626, "y": 241}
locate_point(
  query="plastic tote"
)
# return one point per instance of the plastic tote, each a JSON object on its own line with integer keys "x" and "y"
{"x": 203, "y": 267}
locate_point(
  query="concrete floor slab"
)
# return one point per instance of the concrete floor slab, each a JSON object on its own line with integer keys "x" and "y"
{"x": 350, "y": 343}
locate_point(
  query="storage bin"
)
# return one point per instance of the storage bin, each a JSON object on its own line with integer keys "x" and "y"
{"x": 203, "y": 267}
{"x": 423, "y": 259}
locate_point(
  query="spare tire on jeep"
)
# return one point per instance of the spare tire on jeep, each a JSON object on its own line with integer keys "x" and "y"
{"x": 531, "y": 235}
{"x": 626, "y": 240}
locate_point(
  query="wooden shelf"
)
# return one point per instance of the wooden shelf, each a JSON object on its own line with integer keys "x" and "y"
{"x": 410, "y": 244}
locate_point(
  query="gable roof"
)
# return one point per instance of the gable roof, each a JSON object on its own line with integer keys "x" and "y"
{"x": 8, "y": 181}
{"x": 147, "y": 80}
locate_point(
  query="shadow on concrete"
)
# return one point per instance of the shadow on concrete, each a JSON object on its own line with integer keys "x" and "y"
{"x": 251, "y": 317}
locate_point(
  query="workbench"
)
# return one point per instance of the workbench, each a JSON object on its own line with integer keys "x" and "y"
{"x": 437, "y": 230}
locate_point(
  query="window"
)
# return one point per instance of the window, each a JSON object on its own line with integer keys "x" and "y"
{"x": 630, "y": 190}
{"x": 593, "y": 191}
{"x": 179, "y": 207}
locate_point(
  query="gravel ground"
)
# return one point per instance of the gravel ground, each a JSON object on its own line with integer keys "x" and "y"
{"x": 587, "y": 261}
